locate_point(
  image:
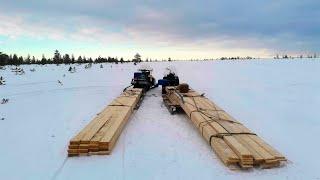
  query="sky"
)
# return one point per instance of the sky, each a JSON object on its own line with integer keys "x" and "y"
{"x": 159, "y": 29}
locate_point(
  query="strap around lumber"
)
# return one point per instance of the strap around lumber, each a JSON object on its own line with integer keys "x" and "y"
{"x": 211, "y": 117}
{"x": 221, "y": 135}
{"x": 201, "y": 95}
{"x": 119, "y": 105}
{"x": 129, "y": 93}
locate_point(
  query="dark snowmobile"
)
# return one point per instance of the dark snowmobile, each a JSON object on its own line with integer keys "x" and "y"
{"x": 144, "y": 79}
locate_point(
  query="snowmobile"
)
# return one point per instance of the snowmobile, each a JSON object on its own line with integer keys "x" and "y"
{"x": 170, "y": 79}
{"x": 143, "y": 79}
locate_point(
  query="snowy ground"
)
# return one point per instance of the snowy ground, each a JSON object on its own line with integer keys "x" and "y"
{"x": 278, "y": 100}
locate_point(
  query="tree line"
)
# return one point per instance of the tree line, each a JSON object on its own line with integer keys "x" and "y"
{"x": 285, "y": 56}
{"x": 56, "y": 59}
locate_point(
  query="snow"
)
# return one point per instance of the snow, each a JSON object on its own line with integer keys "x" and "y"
{"x": 276, "y": 99}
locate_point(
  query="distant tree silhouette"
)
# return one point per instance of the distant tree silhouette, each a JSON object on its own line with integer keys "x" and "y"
{"x": 4, "y": 59}
{"x": 84, "y": 60}
{"x": 28, "y": 59}
{"x": 73, "y": 60}
{"x": 43, "y": 60}
{"x": 79, "y": 60}
{"x": 15, "y": 60}
{"x": 137, "y": 58}
{"x": 66, "y": 59}
{"x": 56, "y": 57}
{"x": 21, "y": 59}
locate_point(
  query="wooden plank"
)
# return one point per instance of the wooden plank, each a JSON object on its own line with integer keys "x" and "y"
{"x": 81, "y": 134}
{"x": 237, "y": 147}
{"x": 224, "y": 152}
{"x": 118, "y": 132}
{"x": 100, "y": 135}
{"x": 213, "y": 123}
{"x": 73, "y": 151}
{"x": 73, "y": 154}
{"x": 261, "y": 151}
{"x": 73, "y": 146}
{"x": 117, "y": 110}
{"x": 117, "y": 123}
{"x": 268, "y": 148}
{"x": 251, "y": 146}
{"x": 257, "y": 158}
{"x": 97, "y": 126}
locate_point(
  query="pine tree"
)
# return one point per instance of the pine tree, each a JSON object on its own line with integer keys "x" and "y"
{"x": 79, "y": 59}
{"x": 28, "y": 60}
{"x": 15, "y": 60}
{"x": 4, "y": 59}
{"x": 137, "y": 58}
{"x": 72, "y": 59}
{"x": 33, "y": 61}
{"x": 56, "y": 57}
{"x": 66, "y": 59}
{"x": 20, "y": 59}
{"x": 43, "y": 59}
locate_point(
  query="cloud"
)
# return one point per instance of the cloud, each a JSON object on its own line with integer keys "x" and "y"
{"x": 16, "y": 26}
{"x": 233, "y": 26}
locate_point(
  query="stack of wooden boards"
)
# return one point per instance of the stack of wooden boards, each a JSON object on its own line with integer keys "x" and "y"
{"x": 232, "y": 141}
{"x": 101, "y": 134}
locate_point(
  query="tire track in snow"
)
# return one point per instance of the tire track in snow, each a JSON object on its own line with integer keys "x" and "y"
{"x": 54, "y": 90}
{"x": 123, "y": 156}
{"x": 31, "y": 83}
{"x": 58, "y": 171}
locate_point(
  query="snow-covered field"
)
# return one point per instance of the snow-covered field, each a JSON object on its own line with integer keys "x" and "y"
{"x": 279, "y": 100}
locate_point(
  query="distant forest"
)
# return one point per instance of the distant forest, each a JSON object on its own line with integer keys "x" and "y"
{"x": 59, "y": 59}
{"x": 70, "y": 59}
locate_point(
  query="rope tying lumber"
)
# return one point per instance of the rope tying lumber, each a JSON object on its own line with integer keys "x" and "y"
{"x": 125, "y": 89}
{"x": 214, "y": 119}
{"x": 221, "y": 135}
{"x": 184, "y": 95}
{"x": 203, "y": 111}
{"x": 233, "y": 143}
{"x": 120, "y": 104}
{"x": 181, "y": 97}
{"x": 201, "y": 95}
{"x": 129, "y": 93}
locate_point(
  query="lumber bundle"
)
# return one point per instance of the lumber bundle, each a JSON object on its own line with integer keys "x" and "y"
{"x": 101, "y": 134}
{"x": 232, "y": 141}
